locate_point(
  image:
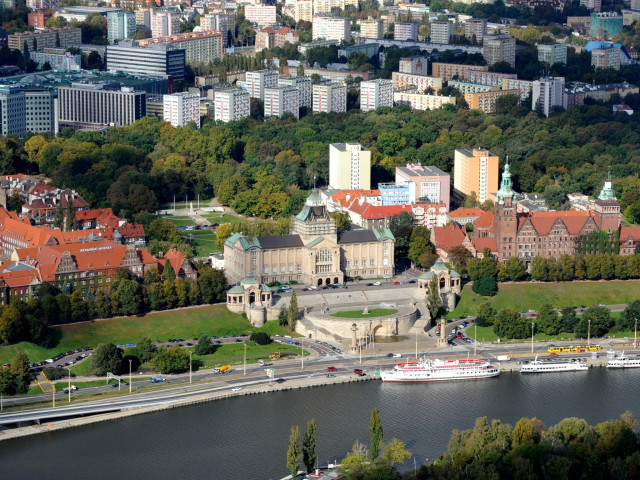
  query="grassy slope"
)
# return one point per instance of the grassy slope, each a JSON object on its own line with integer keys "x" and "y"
{"x": 374, "y": 312}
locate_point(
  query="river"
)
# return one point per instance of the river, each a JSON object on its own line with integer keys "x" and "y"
{"x": 247, "y": 437}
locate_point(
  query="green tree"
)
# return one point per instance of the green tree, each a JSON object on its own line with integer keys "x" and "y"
{"x": 283, "y": 319}
{"x": 145, "y": 349}
{"x": 486, "y": 315}
{"x": 58, "y": 219}
{"x": 548, "y": 320}
{"x": 569, "y": 319}
{"x": 212, "y": 284}
{"x": 395, "y": 452}
{"x": 15, "y": 202}
{"x": 128, "y": 297}
{"x": 485, "y": 286}
{"x": 204, "y": 346}
{"x": 168, "y": 273}
{"x": 460, "y": 257}
{"x": 539, "y": 270}
{"x": 309, "y": 446}
{"x": 21, "y": 369}
{"x": 79, "y": 307}
{"x": 595, "y": 321}
{"x": 433, "y": 298}
{"x": 294, "y": 456}
{"x": 343, "y": 221}
{"x": 515, "y": 268}
{"x": 292, "y": 315}
{"x": 171, "y": 360}
{"x": 627, "y": 319}
{"x": 71, "y": 222}
{"x": 401, "y": 226}
{"x": 376, "y": 433}
{"x": 11, "y": 326}
{"x": 261, "y": 338}
{"x": 419, "y": 243}
{"x": 107, "y": 359}
{"x": 501, "y": 273}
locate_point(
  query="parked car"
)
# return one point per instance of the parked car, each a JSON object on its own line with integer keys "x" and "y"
{"x": 331, "y": 369}
{"x": 396, "y": 283}
{"x": 377, "y": 284}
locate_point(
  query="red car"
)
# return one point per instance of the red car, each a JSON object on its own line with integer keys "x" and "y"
{"x": 553, "y": 354}
{"x": 331, "y": 369}
{"x": 396, "y": 283}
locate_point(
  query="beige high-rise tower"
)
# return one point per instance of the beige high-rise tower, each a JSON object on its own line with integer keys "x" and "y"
{"x": 475, "y": 171}
{"x": 349, "y": 166}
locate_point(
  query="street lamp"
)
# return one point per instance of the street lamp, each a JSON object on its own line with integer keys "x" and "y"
{"x": 190, "y": 353}
{"x": 532, "y": 325}
{"x": 475, "y": 338}
{"x": 302, "y": 351}
{"x": 589, "y": 334}
{"x": 129, "y": 375}
{"x": 635, "y": 335}
{"x": 244, "y": 366}
{"x": 69, "y": 387}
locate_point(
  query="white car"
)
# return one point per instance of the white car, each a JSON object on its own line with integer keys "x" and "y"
{"x": 236, "y": 389}
{"x": 377, "y": 283}
{"x": 397, "y": 355}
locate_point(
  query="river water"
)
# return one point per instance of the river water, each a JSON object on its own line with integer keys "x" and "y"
{"x": 247, "y": 437}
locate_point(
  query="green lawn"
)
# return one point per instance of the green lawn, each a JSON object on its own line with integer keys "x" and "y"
{"x": 526, "y": 296}
{"x": 232, "y": 354}
{"x": 220, "y": 218}
{"x": 186, "y": 323}
{"x": 203, "y": 240}
{"x": 374, "y": 312}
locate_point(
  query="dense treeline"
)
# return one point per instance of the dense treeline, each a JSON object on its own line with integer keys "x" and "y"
{"x": 127, "y": 295}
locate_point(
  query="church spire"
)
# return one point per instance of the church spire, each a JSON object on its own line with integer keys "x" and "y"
{"x": 506, "y": 186}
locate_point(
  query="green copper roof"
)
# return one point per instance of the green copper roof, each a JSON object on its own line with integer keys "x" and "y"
{"x": 382, "y": 233}
{"x": 454, "y": 273}
{"x": 426, "y": 275}
{"x": 236, "y": 289}
{"x": 249, "y": 280}
{"x": 265, "y": 288}
{"x": 439, "y": 266}
{"x": 245, "y": 242}
{"x": 506, "y": 186}
{"x": 607, "y": 192}
{"x": 314, "y": 242}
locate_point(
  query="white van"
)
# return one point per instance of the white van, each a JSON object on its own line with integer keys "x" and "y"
{"x": 397, "y": 355}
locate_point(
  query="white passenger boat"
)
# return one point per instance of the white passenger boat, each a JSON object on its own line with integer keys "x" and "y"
{"x": 624, "y": 362}
{"x": 425, "y": 370}
{"x": 538, "y": 366}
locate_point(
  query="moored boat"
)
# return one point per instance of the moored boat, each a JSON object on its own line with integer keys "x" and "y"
{"x": 624, "y": 362}
{"x": 425, "y": 370}
{"x": 538, "y": 366}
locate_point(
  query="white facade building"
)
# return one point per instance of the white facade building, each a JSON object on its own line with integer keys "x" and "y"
{"x": 181, "y": 108}
{"x": 547, "y": 93}
{"x": 416, "y": 65}
{"x": 349, "y": 166}
{"x": 376, "y": 93}
{"x": 257, "y": 81}
{"x": 303, "y": 84}
{"x": 329, "y": 97}
{"x": 372, "y": 28}
{"x": 441, "y": 31}
{"x": 405, "y": 31}
{"x": 279, "y": 100}
{"x": 60, "y": 62}
{"x": 303, "y": 11}
{"x": 475, "y": 28}
{"x": 260, "y": 14}
{"x": 231, "y": 105}
{"x": 331, "y": 27}
{"x": 164, "y": 24}
{"x": 551, "y": 53}
{"x": 120, "y": 25}
{"x": 419, "y": 101}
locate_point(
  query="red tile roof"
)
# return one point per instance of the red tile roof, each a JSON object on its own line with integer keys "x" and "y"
{"x": 487, "y": 242}
{"x": 626, "y": 232}
{"x": 466, "y": 212}
{"x": 485, "y": 220}
{"x": 449, "y": 236}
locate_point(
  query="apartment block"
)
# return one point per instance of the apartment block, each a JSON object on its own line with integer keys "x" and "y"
{"x": 420, "y": 101}
{"x": 420, "y": 82}
{"x": 547, "y": 93}
{"x": 349, "y": 166}
{"x": 38, "y": 40}
{"x": 231, "y": 105}
{"x": 609, "y": 23}
{"x": 524, "y": 86}
{"x": 404, "y": 31}
{"x": 475, "y": 171}
{"x": 417, "y": 65}
{"x": 303, "y": 11}
{"x": 486, "y": 101}
{"x": 487, "y": 78}
{"x": 376, "y": 93}
{"x": 260, "y": 14}
{"x": 256, "y": 82}
{"x": 164, "y": 23}
{"x": 303, "y": 84}
{"x": 199, "y": 47}
{"x": 475, "y": 29}
{"x": 279, "y": 100}
{"x": 100, "y": 104}
{"x": 432, "y": 185}
{"x": 446, "y": 71}
{"x": 120, "y": 25}
{"x": 329, "y": 97}
{"x": 153, "y": 60}
{"x": 327, "y": 6}
{"x": 499, "y": 48}
{"x": 441, "y": 31}
{"x": 26, "y": 110}
{"x": 551, "y": 53}
{"x": 470, "y": 87}
{"x": 371, "y": 28}
{"x": 179, "y": 109}
{"x": 331, "y": 27}
{"x": 58, "y": 59}
{"x": 606, "y": 58}
{"x": 12, "y": 111}
{"x": 220, "y": 22}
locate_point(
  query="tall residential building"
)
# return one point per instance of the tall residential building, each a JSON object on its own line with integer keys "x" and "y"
{"x": 329, "y": 97}
{"x": 499, "y": 48}
{"x": 420, "y": 82}
{"x": 231, "y": 105}
{"x": 143, "y": 17}
{"x": 164, "y": 23}
{"x": 405, "y": 31}
{"x": 303, "y": 84}
{"x": 12, "y": 111}
{"x": 199, "y": 47}
{"x": 475, "y": 171}
{"x": 475, "y": 29}
{"x": 376, "y": 93}
{"x": 486, "y": 101}
{"x": 441, "y": 31}
{"x": 417, "y": 65}
{"x": 100, "y": 104}
{"x": 152, "y": 60}
{"x": 279, "y": 100}
{"x": 257, "y": 81}
{"x": 446, "y": 71}
{"x": 331, "y": 27}
{"x": 349, "y": 166}
{"x": 260, "y": 14}
{"x": 120, "y": 25}
{"x": 593, "y": 5}
{"x": 547, "y": 93}
{"x": 48, "y": 38}
{"x": 606, "y": 58}
{"x": 551, "y": 53}
{"x": 327, "y": 6}
{"x": 220, "y": 22}
{"x": 40, "y": 111}
{"x": 372, "y": 28}
{"x": 303, "y": 11}
{"x": 606, "y": 24}
{"x": 432, "y": 185}
{"x": 179, "y": 109}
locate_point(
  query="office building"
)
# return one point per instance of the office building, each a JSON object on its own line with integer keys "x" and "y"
{"x": 257, "y": 81}
{"x": 38, "y": 40}
{"x": 547, "y": 93}
{"x": 476, "y": 171}
{"x": 349, "y": 166}
{"x": 231, "y": 105}
{"x": 120, "y": 25}
{"x": 606, "y": 25}
{"x": 331, "y": 27}
{"x": 303, "y": 84}
{"x": 402, "y": 81}
{"x": 446, "y": 71}
{"x": 179, "y": 109}
{"x": 606, "y": 58}
{"x": 421, "y": 101}
{"x": 441, "y": 31}
{"x": 58, "y": 59}
{"x": 486, "y": 101}
{"x": 432, "y": 185}
{"x": 404, "y": 31}
{"x": 329, "y": 97}
{"x": 551, "y": 53}
{"x": 164, "y": 23}
{"x": 397, "y": 193}
{"x": 371, "y": 28}
{"x": 152, "y": 60}
{"x": 303, "y": 11}
{"x": 417, "y": 65}
{"x": 475, "y": 29}
{"x": 40, "y": 112}
{"x": 279, "y": 100}
{"x": 99, "y": 104}
{"x": 260, "y": 14}
{"x": 199, "y": 47}
{"x": 499, "y": 48}
{"x": 375, "y": 94}
{"x": 12, "y": 111}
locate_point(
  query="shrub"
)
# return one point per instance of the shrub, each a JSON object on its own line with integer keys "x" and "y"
{"x": 485, "y": 286}
{"x": 261, "y": 338}
{"x": 55, "y": 373}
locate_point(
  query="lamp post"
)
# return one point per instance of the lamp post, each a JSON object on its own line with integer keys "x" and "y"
{"x": 129, "y": 375}
{"x": 302, "y": 352}
{"x": 69, "y": 387}
{"x": 244, "y": 365}
{"x": 190, "y": 353}
{"x": 635, "y": 335}
{"x": 475, "y": 338}
{"x": 589, "y": 334}
{"x": 532, "y": 326}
